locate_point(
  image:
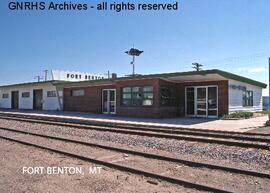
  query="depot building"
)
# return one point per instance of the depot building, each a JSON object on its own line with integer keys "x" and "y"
{"x": 209, "y": 93}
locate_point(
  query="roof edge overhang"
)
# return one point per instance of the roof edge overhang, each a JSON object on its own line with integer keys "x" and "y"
{"x": 53, "y": 82}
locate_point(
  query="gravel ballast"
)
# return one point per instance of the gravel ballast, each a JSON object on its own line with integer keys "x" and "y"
{"x": 228, "y": 155}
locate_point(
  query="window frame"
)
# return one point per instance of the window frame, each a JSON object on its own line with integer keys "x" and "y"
{"x": 5, "y": 95}
{"x": 50, "y": 95}
{"x": 80, "y": 95}
{"x": 171, "y": 101}
{"x": 26, "y": 93}
{"x": 248, "y": 98}
{"x": 139, "y": 101}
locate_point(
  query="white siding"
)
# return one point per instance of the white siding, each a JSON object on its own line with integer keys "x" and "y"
{"x": 49, "y": 103}
{"x": 236, "y": 97}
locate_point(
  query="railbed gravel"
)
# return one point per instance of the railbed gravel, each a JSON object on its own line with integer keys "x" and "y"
{"x": 250, "y": 158}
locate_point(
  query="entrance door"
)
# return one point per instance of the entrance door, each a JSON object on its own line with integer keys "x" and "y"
{"x": 202, "y": 101}
{"x": 37, "y": 99}
{"x": 212, "y": 102}
{"x": 109, "y": 101}
{"x": 15, "y": 99}
{"x": 190, "y": 101}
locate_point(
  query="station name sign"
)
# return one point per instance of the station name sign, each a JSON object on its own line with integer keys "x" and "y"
{"x": 237, "y": 87}
{"x": 75, "y": 76}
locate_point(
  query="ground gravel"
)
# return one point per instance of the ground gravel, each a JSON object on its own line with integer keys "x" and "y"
{"x": 250, "y": 157}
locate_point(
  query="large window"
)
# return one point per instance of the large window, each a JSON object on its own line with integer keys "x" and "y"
{"x": 137, "y": 96}
{"x": 5, "y": 95}
{"x": 167, "y": 96}
{"x": 77, "y": 93}
{"x": 51, "y": 93}
{"x": 25, "y": 94}
{"x": 247, "y": 98}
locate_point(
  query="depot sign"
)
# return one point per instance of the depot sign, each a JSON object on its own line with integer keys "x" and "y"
{"x": 75, "y": 76}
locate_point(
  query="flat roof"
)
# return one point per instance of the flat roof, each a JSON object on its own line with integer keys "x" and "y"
{"x": 33, "y": 83}
{"x": 226, "y": 75}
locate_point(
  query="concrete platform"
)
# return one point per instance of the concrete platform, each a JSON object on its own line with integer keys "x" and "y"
{"x": 196, "y": 123}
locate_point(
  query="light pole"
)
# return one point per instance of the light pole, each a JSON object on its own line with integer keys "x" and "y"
{"x": 268, "y": 90}
{"x": 133, "y": 52}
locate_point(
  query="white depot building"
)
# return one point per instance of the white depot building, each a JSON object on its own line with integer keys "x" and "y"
{"x": 41, "y": 95}
{"x": 35, "y": 95}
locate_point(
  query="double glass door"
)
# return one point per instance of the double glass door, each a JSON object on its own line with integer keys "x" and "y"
{"x": 202, "y": 101}
{"x": 109, "y": 101}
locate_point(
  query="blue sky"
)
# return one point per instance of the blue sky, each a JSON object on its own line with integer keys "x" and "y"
{"x": 226, "y": 34}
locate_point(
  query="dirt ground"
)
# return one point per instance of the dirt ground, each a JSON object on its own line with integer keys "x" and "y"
{"x": 16, "y": 156}
{"x": 265, "y": 130}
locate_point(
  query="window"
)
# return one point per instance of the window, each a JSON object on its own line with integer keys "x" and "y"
{"x": 76, "y": 93}
{"x": 247, "y": 98}
{"x": 25, "y": 94}
{"x": 167, "y": 96}
{"x": 137, "y": 96}
{"x": 5, "y": 95}
{"x": 51, "y": 93}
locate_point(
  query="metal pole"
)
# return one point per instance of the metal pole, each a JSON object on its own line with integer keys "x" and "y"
{"x": 133, "y": 66}
{"x": 269, "y": 89}
{"x": 46, "y": 75}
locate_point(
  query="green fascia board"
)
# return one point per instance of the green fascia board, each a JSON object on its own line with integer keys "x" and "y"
{"x": 240, "y": 78}
{"x": 203, "y": 72}
{"x": 225, "y": 74}
{"x": 53, "y": 82}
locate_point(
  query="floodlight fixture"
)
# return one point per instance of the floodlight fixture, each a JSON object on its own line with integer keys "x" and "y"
{"x": 134, "y": 53}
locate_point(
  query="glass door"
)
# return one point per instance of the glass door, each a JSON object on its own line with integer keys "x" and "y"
{"x": 212, "y": 102}
{"x": 109, "y": 101}
{"x": 190, "y": 101}
{"x": 112, "y": 102}
{"x": 201, "y": 102}
{"x": 105, "y": 107}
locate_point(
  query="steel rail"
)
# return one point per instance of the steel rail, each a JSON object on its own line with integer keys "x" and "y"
{"x": 148, "y": 155}
{"x": 152, "y": 134}
{"x": 133, "y": 170}
{"x": 162, "y": 129}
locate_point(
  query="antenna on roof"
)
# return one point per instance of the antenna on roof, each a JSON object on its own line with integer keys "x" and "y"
{"x": 197, "y": 66}
{"x": 46, "y": 75}
{"x": 133, "y": 52}
{"x": 38, "y": 78}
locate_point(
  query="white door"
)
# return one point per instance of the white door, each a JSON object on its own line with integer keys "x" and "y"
{"x": 109, "y": 101}
{"x": 202, "y": 101}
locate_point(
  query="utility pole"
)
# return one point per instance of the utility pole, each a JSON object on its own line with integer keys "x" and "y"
{"x": 46, "y": 75}
{"x": 269, "y": 89}
{"x": 38, "y": 78}
{"x": 197, "y": 66}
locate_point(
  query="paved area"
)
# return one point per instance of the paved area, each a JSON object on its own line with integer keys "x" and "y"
{"x": 196, "y": 123}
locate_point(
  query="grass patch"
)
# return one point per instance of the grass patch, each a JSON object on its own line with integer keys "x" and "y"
{"x": 239, "y": 115}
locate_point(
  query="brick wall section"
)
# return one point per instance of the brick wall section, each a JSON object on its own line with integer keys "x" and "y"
{"x": 90, "y": 102}
{"x": 142, "y": 111}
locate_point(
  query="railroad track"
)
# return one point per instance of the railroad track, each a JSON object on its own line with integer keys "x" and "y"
{"x": 243, "y": 140}
{"x": 24, "y": 137}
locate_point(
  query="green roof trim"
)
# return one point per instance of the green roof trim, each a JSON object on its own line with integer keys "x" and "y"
{"x": 241, "y": 78}
{"x": 225, "y": 74}
{"x": 53, "y": 82}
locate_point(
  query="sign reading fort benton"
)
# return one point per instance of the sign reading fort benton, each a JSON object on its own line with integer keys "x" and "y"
{"x": 75, "y": 76}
